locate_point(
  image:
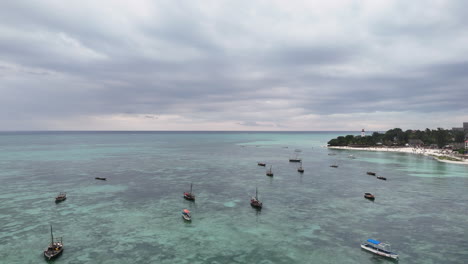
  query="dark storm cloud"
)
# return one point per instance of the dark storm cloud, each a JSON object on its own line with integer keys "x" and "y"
{"x": 59, "y": 61}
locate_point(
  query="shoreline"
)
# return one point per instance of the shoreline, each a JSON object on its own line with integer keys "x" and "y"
{"x": 434, "y": 153}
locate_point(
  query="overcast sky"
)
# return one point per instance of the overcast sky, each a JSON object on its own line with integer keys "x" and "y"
{"x": 233, "y": 65}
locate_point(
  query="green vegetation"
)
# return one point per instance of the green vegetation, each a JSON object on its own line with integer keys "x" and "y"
{"x": 445, "y": 158}
{"x": 398, "y": 137}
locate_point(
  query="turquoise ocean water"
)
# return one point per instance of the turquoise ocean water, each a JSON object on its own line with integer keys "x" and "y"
{"x": 135, "y": 216}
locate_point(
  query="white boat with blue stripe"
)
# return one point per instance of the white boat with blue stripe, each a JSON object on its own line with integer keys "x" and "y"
{"x": 379, "y": 248}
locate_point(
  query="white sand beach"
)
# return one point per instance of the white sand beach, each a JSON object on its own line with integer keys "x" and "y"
{"x": 419, "y": 151}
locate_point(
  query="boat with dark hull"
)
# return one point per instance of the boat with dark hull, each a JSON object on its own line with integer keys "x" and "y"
{"x": 61, "y": 197}
{"x": 379, "y": 248}
{"x": 55, "y": 247}
{"x": 371, "y": 173}
{"x": 186, "y": 215}
{"x": 254, "y": 202}
{"x": 381, "y": 178}
{"x": 300, "y": 169}
{"x": 100, "y": 178}
{"x": 261, "y": 164}
{"x": 269, "y": 172}
{"x": 334, "y": 166}
{"x": 189, "y": 195}
{"x": 295, "y": 159}
{"x": 369, "y": 196}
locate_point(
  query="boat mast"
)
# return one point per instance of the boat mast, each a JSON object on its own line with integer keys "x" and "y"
{"x": 256, "y": 191}
{"x": 51, "y": 235}
{"x": 190, "y": 188}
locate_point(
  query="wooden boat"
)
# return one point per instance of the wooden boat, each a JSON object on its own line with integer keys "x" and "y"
{"x": 295, "y": 158}
{"x": 55, "y": 247}
{"x": 100, "y": 178}
{"x": 254, "y": 202}
{"x": 61, "y": 197}
{"x": 261, "y": 164}
{"x": 269, "y": 172}
{"x": 189, "y": 195}
{"x": 370, "y": 173}
{"x": 379, "y": 248}
{"x": 334, "y": 166}
{"x": 300, "y": 169}
{"x": 381, "y": 178}
{"x": 186, "y": 215}
{"x": 369, "y": 196}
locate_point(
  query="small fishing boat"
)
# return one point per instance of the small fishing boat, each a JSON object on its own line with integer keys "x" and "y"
{"x": 55, "y": 247}
{"x": 254, "y": 202}
{"x": 379, "y": 248}
{"x": 295, "y": 158}
{"x": 189, "y": 195}
{"x": 61, "y": 197}
{"x": 100, "y": 178}
{"x": 300, "y": 169}
{"x": 369, "y": 196}
{"x": 269, "y": 172}
{"x": 186, "y": 215}
{"x": 334, "y": 165}
{"x": 381, "y": 178}
{"x": 261, "y": 164}
{"x": 370, "y": 173}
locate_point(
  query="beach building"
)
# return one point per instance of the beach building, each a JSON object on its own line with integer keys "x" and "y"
{"x": 415, "y": 142}
{"x": 466, "y": 144}
{"x": 363, "y": 133}
{"x": 464, "y": 128}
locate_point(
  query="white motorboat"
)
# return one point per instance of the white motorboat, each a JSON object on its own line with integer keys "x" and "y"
{"x": 379, "y": 248}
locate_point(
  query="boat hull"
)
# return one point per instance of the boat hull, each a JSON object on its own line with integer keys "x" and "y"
{"x": 187, "y": 218}
{"x": 188, "y": 196}
{"x": 379, "y": 252}
{"x": 294, "y": 160}
{"x": 51, "y": 254}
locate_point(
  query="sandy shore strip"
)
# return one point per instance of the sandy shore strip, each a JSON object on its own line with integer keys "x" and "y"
{"x": 437, "y": 154}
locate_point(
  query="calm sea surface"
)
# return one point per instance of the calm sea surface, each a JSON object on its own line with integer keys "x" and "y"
{"x": 135, "y": 216}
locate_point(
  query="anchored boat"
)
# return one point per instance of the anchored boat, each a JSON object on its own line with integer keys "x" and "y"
{"x": 189, "y": 195}
{"x": 261, "y": 164}
{"x": 369, "y": 196}
{"x": 269, "y": 172}
{"x": 254, "y": 202}
{"x": 300, "y": 169}
{"x": 379, "y": 248}
{"x": 100, "y": 178}
{"x": 295, "y": 158}
{"x": 186, "y": 215}
{"x": 371, "y": 173}
{"x": 61, "y": 197}
{"x": 381, "y": 178}
{"x": 55, "y": 247}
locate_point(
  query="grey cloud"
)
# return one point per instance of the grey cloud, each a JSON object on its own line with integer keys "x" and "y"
{"x": 209, "y": 80}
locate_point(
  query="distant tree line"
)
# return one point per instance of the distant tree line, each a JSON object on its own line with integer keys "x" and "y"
{"x": 398, "y": 137}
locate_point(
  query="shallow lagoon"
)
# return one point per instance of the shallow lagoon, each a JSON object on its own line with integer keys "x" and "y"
{"x": 134, "y": 216}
